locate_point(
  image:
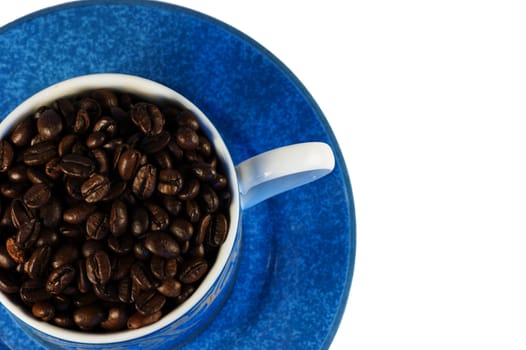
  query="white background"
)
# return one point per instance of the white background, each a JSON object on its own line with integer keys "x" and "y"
{"x": 427, "y": 101}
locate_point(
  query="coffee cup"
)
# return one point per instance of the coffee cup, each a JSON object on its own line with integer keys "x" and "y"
{"x": 250, "y": 182}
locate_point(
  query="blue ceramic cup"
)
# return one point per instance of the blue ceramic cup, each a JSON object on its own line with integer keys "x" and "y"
{"x": 251, "y": 182}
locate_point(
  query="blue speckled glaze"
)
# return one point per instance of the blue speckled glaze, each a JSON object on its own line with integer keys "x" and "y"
{"x": 298, "y": 248}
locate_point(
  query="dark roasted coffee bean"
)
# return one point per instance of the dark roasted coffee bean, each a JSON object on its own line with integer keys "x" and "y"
{"x": 6, "y": 262}
{"x": 164, "y": 160}
{"x": 182, "y": 229}
{"x": 186, "y": 138}
{"x": 138, "y": 320}
{"x": 159, "y": 218}
{"x": 162, "y": 268}
{"x": 101, "y": 158}
{"x": 52, "y": 169}
{"x": 193, "y": 211}
{"x": 153, "y": 144}
{"x": 217, "y": 230}
{"x": 63, "y": 320}
{"x": 83, "y": 283}
{"x": 18, "y": 173}
{"x": 186, "y": 291}
{"x": 85, "y": 299}
{"x": 209, "y": 199}
{"x": 37, "y": 195}
{"x": 161, "y": 244}
{"x": 40, "y": 153}
{"x": 204, "y": 171}
{"x": 88, "y": 317}
{"x": 205, "y": 147}
{"x": 20, "y": 213}
{"x": 106, "y": 98}
{"x": 51, "y": 213}
{"x": 106, "y": 125}
{"x": 125, "y": 290}
{"x": 66, "y": 254}
{"x": 150, "y": 302}
{"x": 174, "y": 148}
{"x": 148, "y": 118}
{"x": 23, "y": 133}
{"x": 43, "y": 310}
{"x": 82, "y": 122}
{"x": 65, "y": 146}
{"x": 96, "y": 139}
{"x": 37, "y": 263}
{"x": 128, "y": 163}
{"x": 141, "y": 276}
{"x": 193, "y": 270}
{"x": 98, "y": 267}
{"x": 190, "y": 189}
{"x": 49, "y": 125}
{"x": 12, "y": 190}
{"x": 15, "y": 251}
{"x": 140, "y": 221}
{"x": 187, "y": 118}
{"x": 33, "y": 291}
{"x": 170, "y": 288}
{"x": 79, "y": 213}
{"x": 140, "y": 251}
{"x": 73, "y": 187}
{"x": 91, "y": 106}
{"x": 60, "y": 278}
{"x": 170, "y": 182}
{"x": 8, "y": 282}
{"x": 144, "y": 182}
{"x": 95, "y": 188}
{"x": 116, "y": 190}
{"x": 75, "y": 165}
{"x": 97, "y": 225}
{"x": 118, "y": 221}
{"x": 28, "y": 233}
{"x": 116, "y": 319}
{"x": 7, "y": 155}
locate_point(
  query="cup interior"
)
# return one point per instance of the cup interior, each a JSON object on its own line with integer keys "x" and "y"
{"x": 154, "y": 92}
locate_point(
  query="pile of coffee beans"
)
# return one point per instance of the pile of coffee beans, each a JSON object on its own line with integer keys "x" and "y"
{"x": 113, "y": 209}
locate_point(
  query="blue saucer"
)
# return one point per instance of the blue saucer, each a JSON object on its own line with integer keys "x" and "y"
{"x": 299, "y": 247}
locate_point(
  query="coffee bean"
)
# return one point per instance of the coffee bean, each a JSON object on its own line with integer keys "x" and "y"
{"x": 118, "y": 221}
{"x": 28, "y": 233}
{"x": 162, "y": 268}
{"x": 106, "y": 98}
{"x": 49, "y": 125}
{"x": 6, "y": 262}
{"x": 144, "y": 182}
{"x": 97, "y": 225}
{"x": 83, "y": 282}
{"x": 12, "y": 190}
{"x": 193, "y": 270}
{"x": 15, "y": 251}
{"x": 159, "y": 218}
{"x": 116, "y": 319}
{"x": 204, "y": 171}
{"x": 82, "y": 122}
{"x": 128, "y": 163}
{"x": 51, "y": 213}
{"x": 150, "y": 302}
{"x": 170, "y": 288}
{"x": 66, "y": 254}
{"x": 139, "y": 320}
{"x": 209, "y": 199}
{"x": 120, "y": 244}
{"x": 187, "y": 118}
{"x": 20, "y": 213}
{"x": 217, "y": 230}
{"x": 79, "y": 213}
{"x": 37, "y": 195}
{"x": 125, "y": 290}
{"x": 170, "y": 182}
{"x": 95, "y": 188}
{"x": 155, "y": 143}
{"x": 60, "y": 278}
{"x": 75, "y": 165}
{"x": 88, "y": 317}
{"x": 96, "y": 139}
{"x": 182, "y": 229}
{"x": 43, "y": 310}
{"x": 141, "y": 276}
{"x": 33, "y": 291}
{"x": 186, "y": 138}
{"x": 40, "y": 153}
{"x": 7, "y": 155}
{"x": 193, "y": 211}
{"x": 140, "y": 221}
{"x": 148, "y": 118}
{"x": 190, "y": 189}
{"x": 23, "y": 133}
{"x": 161, "y": 244}
{"x": 106, "y": 125}
{"x": 98, "y": 267}
{"x": 37, "y": 263}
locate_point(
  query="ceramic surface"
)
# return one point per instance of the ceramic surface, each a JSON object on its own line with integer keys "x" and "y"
{"x": 298, "y": 248}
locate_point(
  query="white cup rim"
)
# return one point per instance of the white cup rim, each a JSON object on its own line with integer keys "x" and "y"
{"x": 151, "y": 90}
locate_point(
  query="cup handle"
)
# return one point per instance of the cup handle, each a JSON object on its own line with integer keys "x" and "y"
{"x": 282, "y": 169}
